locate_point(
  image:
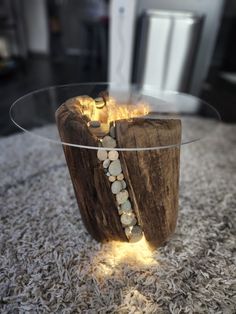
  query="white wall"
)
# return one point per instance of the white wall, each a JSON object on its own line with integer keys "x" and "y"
{"x": 121, "y": 36}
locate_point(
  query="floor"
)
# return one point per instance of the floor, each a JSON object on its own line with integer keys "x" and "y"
{"x": 38, "y": 72}
{"x": 50, "y": 264}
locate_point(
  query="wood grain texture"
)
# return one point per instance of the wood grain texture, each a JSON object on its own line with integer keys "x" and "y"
{"x": 152, "y": 176}
{"x": 92, "y": 189}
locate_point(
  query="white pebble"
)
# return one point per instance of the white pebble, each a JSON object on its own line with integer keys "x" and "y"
{"x": 115, "y": 168}
{"x": 108, "y": 174}
{"x": 128, "y": 231}
{"x": 128, "y": 220}
{"x": 106, "y": 163}
{"x": 120, "y": 177}
{"x": 102, "y": 154}
{"x": 109, "y": 142}
{"x": 113, "y": 155}
{"x": 124, "y": 185}
{"x": 121, "y": 211}
{"x": 112, "y": 178}
{"x": 136, "y": 234}
{"x": 134, "y": 222}
{"x": 122, "y": 197}
{"x": 116, "y": 187}
{"x": 126, "y": 206}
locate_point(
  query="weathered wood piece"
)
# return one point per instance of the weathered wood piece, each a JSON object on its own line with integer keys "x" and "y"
{"x": 152, "y": 176}
{"x": 92, "y": 188}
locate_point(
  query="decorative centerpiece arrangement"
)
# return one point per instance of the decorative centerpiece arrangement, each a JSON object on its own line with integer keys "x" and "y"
{"x": 122, "y": 149}
{"x": 123, "y": 192}
{"x": 113, "y": 170}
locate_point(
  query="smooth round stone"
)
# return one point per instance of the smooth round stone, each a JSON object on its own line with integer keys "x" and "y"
{"x": 115, "y": 168}
{"x": 112, "y": 178}
{"x": 94, "y": 124}
{"x": 113, "y": 132}
{"x": 126, "y": 206}
{"x": 102, "y": 154}
{"x": 122, "y": 197}
{"x": 136, "y": 234}
{"x": 106, "y": 163}
{"x": 109, "y": 142}
{"x": 120, "y": 177}
{"x": 113, "y": 155}
{"x": 128, "y": 231}
{"x": 121, "y": 211}
{"x": 116, "y": 187}
{"x": 108, "y": 174}
{"x": 99, "y": 102}
{"x": 128, "y": 220}
{"x": 134, "y": 222}
{"x": 123, "y": 183}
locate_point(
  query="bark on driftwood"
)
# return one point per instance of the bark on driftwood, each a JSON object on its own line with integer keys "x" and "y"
{"x": 152, "y": 176}
{"x": 92, "y": 189}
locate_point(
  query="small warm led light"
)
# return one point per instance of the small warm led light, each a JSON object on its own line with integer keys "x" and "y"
{"x": 116, "y": 253}
{"x": 111, "y": 111}
{"x": 113, "y": 255}
{"x": 139, "y": 253}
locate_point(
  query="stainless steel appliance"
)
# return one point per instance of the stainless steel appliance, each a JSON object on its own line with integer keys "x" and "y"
{"x": 167, "y": 49}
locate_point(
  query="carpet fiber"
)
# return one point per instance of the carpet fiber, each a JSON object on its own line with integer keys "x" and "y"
{"x": 49, "y": 263}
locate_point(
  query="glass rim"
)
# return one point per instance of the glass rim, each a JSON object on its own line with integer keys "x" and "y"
{"x": 146, "y": 88}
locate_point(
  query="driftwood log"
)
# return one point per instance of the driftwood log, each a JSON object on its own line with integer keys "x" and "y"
{"x": 152, "y": 176}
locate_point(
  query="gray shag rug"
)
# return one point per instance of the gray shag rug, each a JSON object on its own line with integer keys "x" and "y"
{"x": 50, "y": 264}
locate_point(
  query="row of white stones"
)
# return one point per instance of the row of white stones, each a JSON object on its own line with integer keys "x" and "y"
{"x": 113, "y": 170}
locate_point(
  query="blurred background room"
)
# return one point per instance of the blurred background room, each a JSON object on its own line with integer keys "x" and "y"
{"x": 186, "y": 46}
